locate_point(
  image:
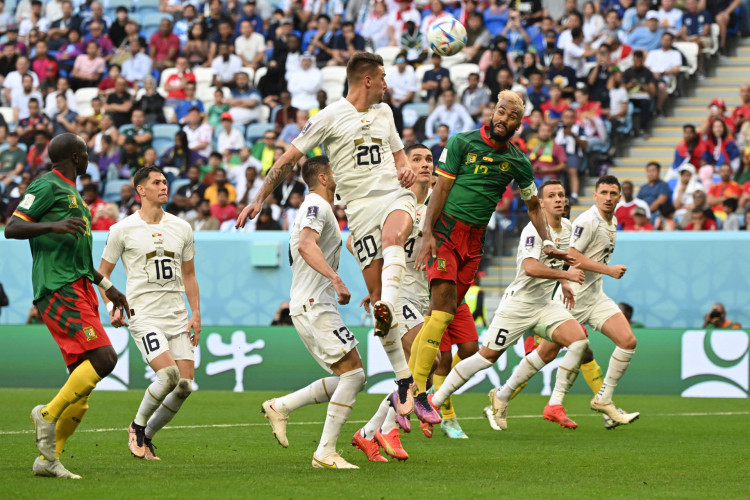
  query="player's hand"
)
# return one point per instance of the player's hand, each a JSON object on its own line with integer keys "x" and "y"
{"x": 117, "y": 319}
{"x": 195, "y": 325}
{"x": 553, "y": 252}
{"x": 575, "y": 274}
{"x": 249, "y": 212}
{"x": 118, "y": 299}
{"x": 75, "y": 226}
{"x": 341, "y": 291}
{"x": 366, "y": 304}
{"x": 427, "y": 250}
{"x": 569, "y": 296}
{"x": 617, "y": 271}
{"x": 406, "y": 177}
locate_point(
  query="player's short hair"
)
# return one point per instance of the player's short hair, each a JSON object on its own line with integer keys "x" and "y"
{"x": 548, "y": 182}
{"x": 360, "y": 64}
{"x": 313, "y": 167}
{"x": 411, "y": 148}
{"x": 608, "y": 179}
{"x": 142, "y": 174}
{"x": 511, "y": 96}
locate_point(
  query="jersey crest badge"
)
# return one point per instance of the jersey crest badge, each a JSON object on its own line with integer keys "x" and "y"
{"x": 505, "y": 166}
{"x": 28, "y": 200}
{"x": 90, "y": 333}
{"x": 312, "y": 211}
{"x": 72, "y": 202}
{"x": 471, "y": 158}
{"x": 529, "y": 242}
{"x": 441, "y": 265}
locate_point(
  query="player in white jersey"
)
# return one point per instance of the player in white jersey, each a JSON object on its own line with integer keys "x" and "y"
{"x": 157, "y": 252}
{"x": 314, "y": 250}
{"x": 370, "y": 169}
{"x": 593, "y": 241}
{"x": 527, "y": 303}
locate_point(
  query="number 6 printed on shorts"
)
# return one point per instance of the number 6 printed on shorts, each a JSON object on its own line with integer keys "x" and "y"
{"x": 501, "y": 337}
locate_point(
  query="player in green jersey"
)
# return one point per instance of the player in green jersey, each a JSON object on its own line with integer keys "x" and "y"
{"x": 57, "y": 223}
{"x": 474, "y": 170}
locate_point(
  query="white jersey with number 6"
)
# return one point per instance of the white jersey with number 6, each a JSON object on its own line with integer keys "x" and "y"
{"x": 309, "y": 287}
{"x": 152, "y": 255}
{"x": 595, "y": 238}
{"x": 360, "y": 145}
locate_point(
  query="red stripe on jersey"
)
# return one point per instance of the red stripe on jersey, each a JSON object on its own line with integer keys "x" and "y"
{"x": 23, "y": 216}
{"x": 445, "y": 174}
{"x": 64, "y": 178}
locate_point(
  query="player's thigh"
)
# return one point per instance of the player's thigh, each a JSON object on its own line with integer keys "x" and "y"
{"x": 398, "y": 218}
{"x": 324, "y": 334}
{"x": 351, "y": 361}
{"x": 461, "y": 329}
{"x": 618, "y": 330}
{"x": 364, "y": 223}
{"x": 442, "y": 296}
{"x": 556, "y": 324}
{"x": 181, "y": 347}
{"x": 508, "y": 325}
{"x": 152, "y": 342}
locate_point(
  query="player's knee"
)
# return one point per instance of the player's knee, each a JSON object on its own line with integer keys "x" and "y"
{"x": 628, "y": 343}
{"x": 588, "y": 356}
{"x": 579, "y": 346}
{"x": 357, "y": 378}
{"x": 169, "y": 376}
{"x": 104, "y": 360}
{"x": 184, "y": 388}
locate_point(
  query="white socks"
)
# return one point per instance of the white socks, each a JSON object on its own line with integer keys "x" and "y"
{"x": 339, "y": 408}
{"x": 618, "y": 363}
{"x": 395, "y": 352}
{"x": 568, "y": 371}
{"x": 459, "y": 375}
{"x": 394, "y": 265}
{"x": 166, "y": 381}
{"x": 169, "y": 407}
{"x": 377, "y": 420}
{"x": 526, "y": 369}
{"x": 390, "y": 422}
{"x": 318, "y": 392}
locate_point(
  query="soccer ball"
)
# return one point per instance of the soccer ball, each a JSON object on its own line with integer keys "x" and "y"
{"x": 446, "y": 36}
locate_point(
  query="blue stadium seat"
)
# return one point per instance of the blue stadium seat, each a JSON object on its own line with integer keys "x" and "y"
{"x": 413, "y": 112}
{"x": 154, "y": 17}
{"x": 112, "y": 190}
{"x": 627, "y": 127}
{"x": 125, "y": 127}
{"x": 256, "y": 131}
{"x": 161, "y": 144}
{"x": 165, "y": 130}
{"x": 149, "y": 7}
{"x": 177, "y": 184}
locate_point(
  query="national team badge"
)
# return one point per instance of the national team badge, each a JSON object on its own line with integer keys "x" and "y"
{"x": 90, "y": 333}
{"x": 505, "y": 166}
{"x": 72, "y": 202}
{"x": 441, "y": 265}
{"x": 471, "y": 158}
{"x": 529, "y": 242}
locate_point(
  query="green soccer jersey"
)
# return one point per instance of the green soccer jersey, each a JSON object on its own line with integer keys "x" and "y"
{"x": 58, "y": 259}
{"x": 481, "y": 173}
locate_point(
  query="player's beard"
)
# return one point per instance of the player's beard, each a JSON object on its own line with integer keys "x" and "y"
{"x": 500, "y": 138}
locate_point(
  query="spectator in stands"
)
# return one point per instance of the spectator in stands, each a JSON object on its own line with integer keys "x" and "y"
{"x": 402, "y": 83}
{"x": 224, "y": 36}
{"x": 717, "y": 110}
{"x": 576, "y": 52}
{"x": 109, "y": 159}
{"x": 245, "y": 103}
{"x": 475, "y": 96}
{"x": 443, "y": 133}
{"x": 266, "y": 222}
{"x": 562, "y": 75}
{"x": 218, "y": 108}
{"x": 286, "y": 113}
{"x": 35, "y": 21}
{"x": 249, "y": 14}
{"x": 720, "y": 147}
{"x": 183, "y": 194}
{"x": 648, "y": 36}
{"x": 63, "y": 88}
{"x": 116, "y": 30}
{"x": 8, "y": 59}
{"x": 108, "y": 127}
{"x": 537, "y": 92}
{"x": 376, "y": 27}
{"x": 321, "y": 45}
{"x": 288, "y": 55}
{"x": 105, "y": 46}
{"x": 107, "y": 84}
{"x": 635, "y": 16}
{"x": 59, "y": 29}
{"x": 408, "y": 136}
{"x": 432, "y": 77}
{"x": 531, "y": 126}
{"x": 88, "y": 68}
{"x": 225, "y": 66}
{"x": 346, "y": 44}
{"x": 19, "y": 47}
{"x": 451, "y": 113}
{"x": 571, "y": 136}
{"x": 220, "y": 182}
{"x": 640, "y": 221}
{"x": 625, "y": 209}
{"x": 717, "y": 318}
{"x": 518, "y": 38}
{"x": 665, "y": 219}
{"x": 690, "y": 150}
{"x": 164, "y": 46}
{"x": 291, "y": 184}
{"x": 14, "y": 80}
{"x": 177, "y": 82}
{"x": 741, "y": 113}
{"x": 199, "y": 134}
{"x": 136, "y": 69}
{"x": 230, "y": 140}
{"x": 699, "y": 221}
{"x": 722, "y": 13}
{"x": 732, "y": 222}
{"x": 45, "y": 66}
{"x": 553, "y": 109}
{"x": 664, "y": 63}
{"x": 612, "y": 29}
{"x": 670, "y": 19}
{"x": 305, "y": 83}
{"x": 140, "y": 131}
{"x": 106, "y": 216}
{"x": 250, "y": 46}
{"x": 398, "y": 18}
{"x": 589, "y": 115}
{"x": 477, "y": 37}
{"x": 36, "y": 121}
{"x": 250, "y": 186}
{"x": 620, "y": 54}
{"x": 189, "y": 19}
{"x": 547, "y": 158}
{"x": 726, "y": 188}
{"x": 618, "y": 100}
{"x": 95, "y": 14}
{"x": 696, "y": 28}
{"x": 181, "y": 156}
{"x": 289, "y": 214}
{"x": 196, "y": 48}
{"x": 12, "y": 161}
{"x": 119, "y": 103}
{"x": 65, "y": 119}
{"x": 21, "y": 98}
{"x": 132, "y": 158}
{"x": 216, "y": 17}
{"x": 151, "y": 102}
{"x": 593, "y": 23}
{"x": 655, "y": 192}
{"x": 187, "y": 103}
{"x": 598, "y": 77}
{"x": 292, "y": 130}
{"x": 90, "y": 195}
{"x": 127, "y": 200}
{"x": 687, "y": 184}
{"x": 641, "y": 86}
{"x": 263, "y": 150}
{"x": 205, "y": 221}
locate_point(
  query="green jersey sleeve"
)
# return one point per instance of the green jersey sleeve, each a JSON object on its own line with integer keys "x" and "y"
{"x": 524, "y": 176}
{"x": 450, "y": 159}
{"x": 37, "y": 200}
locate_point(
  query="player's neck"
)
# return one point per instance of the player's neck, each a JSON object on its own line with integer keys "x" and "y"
{"x": 421, "y": 190}
{"x": 607, "y": 216}
{"x": 151, "y": 214}
{"x": 554, "y": 221}
{"x": 66, "y": 171}
{"x": 358, "y": 99}
{"x": 323, "y": 193}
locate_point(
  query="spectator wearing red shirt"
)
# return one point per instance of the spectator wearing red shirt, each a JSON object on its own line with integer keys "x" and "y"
{"x": 164, "y": 46}
{"x": 222, "y": 209}
{"x": 175, "y": 84}
{"x": 104, "y": 217}
{"x": 742, "y": 112}
{"x": 37, "y": 156}
{"x": 716, "y": 109}
{"x": 690, "y": 149}
{"x": 727, "y": 188}
{"x": 91, "y": 197}
{"x": 547, "y": 157}
{"x": 699, "y": 221}
{"x": 554, "y": 108}
{"x": 44, "y": 65}
{"x": 626, "y": 208}
{"x": 640, "y": 221}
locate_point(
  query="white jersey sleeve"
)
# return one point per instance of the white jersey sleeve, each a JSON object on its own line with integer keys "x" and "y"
{"x": 314, "y": 132}
{"x": 188, "y": 251}
{"x": 595, "y": 238}
{"x": 582, "y": 234}
{"x": 114, "y": 247}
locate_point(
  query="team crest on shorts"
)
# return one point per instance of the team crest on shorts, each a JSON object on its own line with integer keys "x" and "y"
{"x": 471, "y": 158}
{"x": 441, "y": 265}
{"x": 90, "y": 333}
{"x": 72, "y": 202}
{"x": 505, "y": 166}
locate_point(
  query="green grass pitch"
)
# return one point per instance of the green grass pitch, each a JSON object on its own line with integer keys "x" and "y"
{"x": 219, "y": 446}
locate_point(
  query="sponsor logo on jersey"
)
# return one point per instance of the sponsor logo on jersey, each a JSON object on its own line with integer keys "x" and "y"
{"x": 156, "y": 235}
{"x": 441, "y": 265}
{"x": 306, "y": 128}
{"x": 487, "y": 158}
{"x": 312, "y": 211}
{"x": 577, "y": 231}
{"x": 28, "y": 199}
{"x": 471, "y": 158}
{"x": 72, "y": 202}
{"x": 90, "y": 333}
{"x": 529, "y": 242}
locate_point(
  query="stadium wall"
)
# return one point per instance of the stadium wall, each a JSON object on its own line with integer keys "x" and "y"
{"x": 672, "y": 278}
{"x": 691, "y": 363}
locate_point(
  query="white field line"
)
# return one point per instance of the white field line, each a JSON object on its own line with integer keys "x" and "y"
{"x": 264, "y": 424}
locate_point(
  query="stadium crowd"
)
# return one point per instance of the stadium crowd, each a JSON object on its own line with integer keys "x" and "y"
{"x": 215, "y": 91}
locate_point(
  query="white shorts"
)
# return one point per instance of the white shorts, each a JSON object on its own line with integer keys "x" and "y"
{"x": 153, "y": 341}
{"x": 512, "y": 319}
{"x": 366, "y": 217}
{"x": 596, "y": 311}
{"x": 410, "y": 311}
{"x": 324, "y": 334}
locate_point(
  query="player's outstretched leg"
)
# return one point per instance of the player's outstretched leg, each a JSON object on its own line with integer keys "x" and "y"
{"x": 277, "y": 410}
{"x": 564, "y": 378}
{"x": 461, "y": 373}
{"x": 165, "y": 413}
{"x": 364, "y": 439}
{"x": 166, "y": 381}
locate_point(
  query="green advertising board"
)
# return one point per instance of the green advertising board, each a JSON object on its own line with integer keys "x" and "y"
{"x": 692, "y": 363}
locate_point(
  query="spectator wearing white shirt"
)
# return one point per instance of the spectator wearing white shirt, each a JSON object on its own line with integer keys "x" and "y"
{"x": 198, "y": 133}
{"x": 451, "y": 114}
{"x": 63, "y": 87}
{"x": 230, "y": 140}
{"x": 305, "y": 83}
{"x": 475, "y": 96}
{"x": 20, "y": 99}
{"x": 250, "y": 46}
{"x": 670, "y": 19}
{"x": 225, "y": 66}
{"x": 575, "y": 53}
{"x": 664, "y": 63}
{"x": 13, "y": 81}
{"x": 246, "y": 183}
{"x": 138, "y": 67}
{"x": 402, "y": 83}
{"x": 54, "y": 10}
{"x": 618, "y": 100}
{"x": 37, "y": 20}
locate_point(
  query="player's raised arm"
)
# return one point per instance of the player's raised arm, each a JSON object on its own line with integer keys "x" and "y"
{"x": 280, "y": 169}
{"x": 191, "y": 291}
{"x": 434, "y": 209}
{"x": 310, "y": 251}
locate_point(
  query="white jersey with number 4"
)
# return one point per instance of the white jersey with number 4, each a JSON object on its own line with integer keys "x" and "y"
{"x": 360, "y": 145}
{"x": 595, "y": 238}
{"x": 309, "y": 287}
{"x": 152, "y": 255}
{"x": 537, "y": 290}
{"x": 414, "y": 282}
